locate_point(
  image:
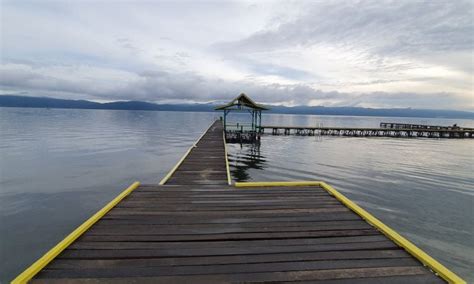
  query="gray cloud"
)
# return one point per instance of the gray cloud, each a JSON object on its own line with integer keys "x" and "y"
{"x": 380, "y": 27}
{"x": 335, "y": 53}
{"x": 161, "y": 86}
{"x": 375, "y": 29}
{"x": 128, "y": 44}
{"x": 282, "y": 71}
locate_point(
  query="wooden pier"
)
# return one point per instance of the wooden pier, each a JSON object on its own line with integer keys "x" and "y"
{"x": 395, "y": 125}
{"x": 205, "y": 163}
{"x": 196, "y": 228}
{"x": 370, "y": 132}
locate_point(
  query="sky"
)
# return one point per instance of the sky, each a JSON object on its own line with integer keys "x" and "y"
{"x": 379, "y": 54}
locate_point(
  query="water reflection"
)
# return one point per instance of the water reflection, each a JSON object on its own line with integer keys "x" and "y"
{"x": 245, "y": 156}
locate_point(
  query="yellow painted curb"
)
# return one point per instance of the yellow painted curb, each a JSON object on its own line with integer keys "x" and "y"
{"x": 171, "y": 172}
{"x": 229, "y": 180}
{"x": 31, "y": 271}
{"x": 416, "y": 252}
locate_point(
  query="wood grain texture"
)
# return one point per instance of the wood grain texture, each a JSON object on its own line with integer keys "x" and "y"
{"x": 205, "y": 164}
{"x": 214, "y": 234}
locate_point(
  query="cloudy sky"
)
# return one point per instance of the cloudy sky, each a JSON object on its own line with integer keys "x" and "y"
{"x": 416, "y": 54}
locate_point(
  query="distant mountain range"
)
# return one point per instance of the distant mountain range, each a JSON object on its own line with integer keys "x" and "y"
{"x": 35, "y": 102}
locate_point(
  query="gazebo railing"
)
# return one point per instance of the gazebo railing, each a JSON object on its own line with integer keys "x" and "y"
{"x": 243, "y": 127}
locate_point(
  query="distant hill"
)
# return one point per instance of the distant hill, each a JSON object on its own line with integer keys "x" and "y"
{"x": 35, "y": 102}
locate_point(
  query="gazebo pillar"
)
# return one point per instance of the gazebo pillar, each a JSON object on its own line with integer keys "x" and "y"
{"x": 225, "y": 119}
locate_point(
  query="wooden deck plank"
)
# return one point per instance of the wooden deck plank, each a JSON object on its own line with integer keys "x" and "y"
{"x": 412, "y": 279}
{"x": 232, "y": 259}
{"x": 235, "y": 236}
{"x": 244, "y": 243}
{"x": 125, "y": 211}
{"x": 228, "y": 269}
{"x": 195, "y": 252}
{"x": 240, "y": 225}
{"x": 264, "y": 276}
{"x": 231, "y": 201}
{"x": 225, "y": 207}
{"x": 243, "y": 218}
{"x": 111, "y": 230}
{"x": 124, "y": 220}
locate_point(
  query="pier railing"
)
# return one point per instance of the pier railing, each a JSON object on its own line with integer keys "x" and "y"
{"x": 242, "y": 133}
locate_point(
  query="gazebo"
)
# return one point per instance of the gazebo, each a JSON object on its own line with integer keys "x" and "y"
{"x": 243, "y": 103}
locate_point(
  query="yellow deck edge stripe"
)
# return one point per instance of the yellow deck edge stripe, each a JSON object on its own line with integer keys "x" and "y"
{"x": 229, "y": 180}
{"x": 171, "y": 172}
{"x": 31, "y": 271}
{"x": 416, "y": 252}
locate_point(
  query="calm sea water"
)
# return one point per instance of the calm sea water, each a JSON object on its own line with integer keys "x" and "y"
{"x": 58, "y": 167}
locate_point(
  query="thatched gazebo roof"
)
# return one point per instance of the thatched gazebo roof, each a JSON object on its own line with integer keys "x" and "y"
{"x": 241, "y": 101}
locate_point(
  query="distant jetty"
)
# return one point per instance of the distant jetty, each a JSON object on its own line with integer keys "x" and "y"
{"x": 394, "y": 125}
{"x": 395, "y": 130}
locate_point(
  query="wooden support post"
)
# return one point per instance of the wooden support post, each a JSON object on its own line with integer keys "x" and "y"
{"x": 225, "y": 120}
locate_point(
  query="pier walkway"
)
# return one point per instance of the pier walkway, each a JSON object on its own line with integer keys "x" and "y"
{"x": 205, "y": 163}
{"x": 192, "y": 234}
{"x": 195, "y": 228}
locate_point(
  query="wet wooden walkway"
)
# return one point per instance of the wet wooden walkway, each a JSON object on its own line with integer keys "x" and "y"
{"x": 208, "y": 234}
{"x": 205, "y": 164}
{"x": 198, "y": 229}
